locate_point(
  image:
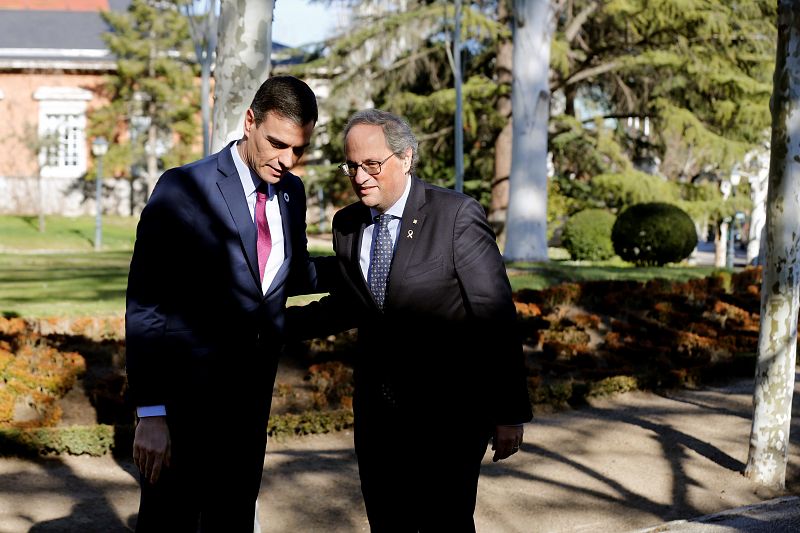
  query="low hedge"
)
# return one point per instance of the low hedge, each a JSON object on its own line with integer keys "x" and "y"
{"x": 100, "y": 439}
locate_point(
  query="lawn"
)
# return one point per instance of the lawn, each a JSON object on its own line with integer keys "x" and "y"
{"x": 65, "y": 234}
{"x": 57, "y": 273}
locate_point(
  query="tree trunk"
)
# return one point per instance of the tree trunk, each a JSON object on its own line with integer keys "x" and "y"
{"x": 205, "y": 107}
{"x": 527, "y": 208}
{"x": 244, "y": 46}
{"x": 777, "y": 343}
{"x": 502, "y": 145}
{"x": 721, "y": 244}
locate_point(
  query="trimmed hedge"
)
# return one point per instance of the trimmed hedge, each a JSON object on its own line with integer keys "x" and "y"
{"x": 654, "y": 234}
{"x": 100, "y": 439}
{"x": 587, "y": 235}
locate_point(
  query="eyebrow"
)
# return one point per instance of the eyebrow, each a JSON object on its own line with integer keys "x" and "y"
{"x": 275, "y": 140}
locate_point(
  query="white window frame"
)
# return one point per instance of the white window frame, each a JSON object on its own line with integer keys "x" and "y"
{"x": 70, "y": 103}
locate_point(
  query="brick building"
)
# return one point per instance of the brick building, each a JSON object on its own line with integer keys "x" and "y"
{"x": 52, "y": 61}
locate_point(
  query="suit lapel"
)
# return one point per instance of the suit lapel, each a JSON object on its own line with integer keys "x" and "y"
{"x": 356, "y": 234}
{"x": 411, "y": 230}
{"x": 283, "y": 199}
{"x": 231, "y": 188}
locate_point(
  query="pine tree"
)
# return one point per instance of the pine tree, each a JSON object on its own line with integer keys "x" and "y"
{"x": 151, "y": 115}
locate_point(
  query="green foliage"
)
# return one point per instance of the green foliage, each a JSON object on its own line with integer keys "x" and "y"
{"x": 154, "y": 84}
{"x": 654, "y": 234}
{"x": 75, "y": 440}
{"x": 700, "y": 70}
{"x": 414, "y": 80}
{"x": 309, "y": 423}
{"x": 587, "y": 235}
{"x": 618, "y": 191}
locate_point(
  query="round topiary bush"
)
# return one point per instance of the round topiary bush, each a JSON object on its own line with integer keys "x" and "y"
{"x": 587, "y": 235}
{"x": 654, "y": 234}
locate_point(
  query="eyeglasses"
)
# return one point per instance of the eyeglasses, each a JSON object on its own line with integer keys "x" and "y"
{"x": 372, "y": 168}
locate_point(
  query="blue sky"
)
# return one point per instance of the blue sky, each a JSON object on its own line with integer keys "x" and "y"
{"x": 298, "y": 22}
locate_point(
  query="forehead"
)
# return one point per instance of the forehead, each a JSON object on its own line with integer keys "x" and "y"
{"x": 278, "y": 127}
{"x": 365, "y": 140}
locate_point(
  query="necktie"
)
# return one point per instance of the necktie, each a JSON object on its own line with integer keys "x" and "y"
{"x": 381, "y": 260}
{"x": 264, "y": 242}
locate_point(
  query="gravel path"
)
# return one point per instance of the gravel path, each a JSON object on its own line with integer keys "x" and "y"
{"x": 630, "y": 462}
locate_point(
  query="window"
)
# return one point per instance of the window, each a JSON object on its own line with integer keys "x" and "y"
{"x": 62, "y": 130}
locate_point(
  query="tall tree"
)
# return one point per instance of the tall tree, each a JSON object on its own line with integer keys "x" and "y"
{"x": 394, "y": 56}
{"x": 151, "y": 112}
{"x": 777, "y": 343}
{"x": 244, "y": 47}
{"x": 502, "y": 146}
{"x": 202, "y": 17}
{"x": 530, "y": 96}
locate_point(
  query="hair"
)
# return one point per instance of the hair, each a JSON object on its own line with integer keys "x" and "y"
{"x": 287, "y": 96}
{"x": 399, "y": 136}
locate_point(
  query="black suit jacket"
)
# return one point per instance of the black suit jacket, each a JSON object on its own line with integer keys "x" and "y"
{"x": 199, "y": 329}
{"x": 445, "y": 346}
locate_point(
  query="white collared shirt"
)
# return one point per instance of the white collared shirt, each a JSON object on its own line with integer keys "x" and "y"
{"x": 368, "y": 238}
{"x": 277, "y": 255}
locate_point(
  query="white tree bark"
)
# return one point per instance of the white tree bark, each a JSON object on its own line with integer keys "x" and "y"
{"x": 244, "y": 46}
{"x": 526, "y": 221}
{"x": 777, "y": 343}
{"x": 758, "y": 194}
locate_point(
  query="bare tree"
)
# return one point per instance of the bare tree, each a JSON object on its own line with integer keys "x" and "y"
{"x": 777, "y": 343}
{"x": 534, "y": 23}
{"x": 244, "y": 46}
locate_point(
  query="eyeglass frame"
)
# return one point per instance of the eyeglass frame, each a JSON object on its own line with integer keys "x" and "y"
{"x": 345, "y": 167}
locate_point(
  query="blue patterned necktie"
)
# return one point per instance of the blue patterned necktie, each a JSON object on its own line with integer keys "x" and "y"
{"x": 381, "y": 260}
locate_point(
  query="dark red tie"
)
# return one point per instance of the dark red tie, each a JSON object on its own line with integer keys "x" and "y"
{"x": 264, "y": 244}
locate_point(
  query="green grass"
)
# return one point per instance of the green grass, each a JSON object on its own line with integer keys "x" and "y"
{"x": 57, "y": 273}
{"x": 542, "y": 275}
{"x": 63, "y": 284}
{"x": 73, "y": 234}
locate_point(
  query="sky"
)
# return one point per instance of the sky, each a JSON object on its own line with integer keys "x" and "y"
{"x": 298, "y": 22}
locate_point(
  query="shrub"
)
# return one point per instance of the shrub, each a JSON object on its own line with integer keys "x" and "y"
{"x": 654, "y": 234}
{"x": 587, "y": 235}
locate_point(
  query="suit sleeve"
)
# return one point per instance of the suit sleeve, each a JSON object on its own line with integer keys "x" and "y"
{"x": 309, "y": 275}
{"x": 487, "y": 295}
{"x": 147, "y": 357}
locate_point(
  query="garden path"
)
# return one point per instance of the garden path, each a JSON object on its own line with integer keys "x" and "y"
{"x": 620, "y": 464}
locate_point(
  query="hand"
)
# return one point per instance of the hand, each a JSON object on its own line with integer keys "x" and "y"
{"x": 151, "y": 446}
{"x": 506, "y": 441}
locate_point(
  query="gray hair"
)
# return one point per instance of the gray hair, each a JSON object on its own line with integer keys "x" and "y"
{"x": 399, "y": 136}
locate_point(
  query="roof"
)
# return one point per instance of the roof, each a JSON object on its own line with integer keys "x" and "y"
{"x": 65, "y": 34}
{"x": 60, "y": 34}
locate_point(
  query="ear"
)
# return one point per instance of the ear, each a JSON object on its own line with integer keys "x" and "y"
{"x": 249, "y": 122}
{"x": 407, "y": 161}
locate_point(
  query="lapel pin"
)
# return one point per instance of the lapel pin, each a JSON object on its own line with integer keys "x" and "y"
{"x": 410, "y": 234}
{"x": 414, "y": 221}
{"x": 286, "y": 197}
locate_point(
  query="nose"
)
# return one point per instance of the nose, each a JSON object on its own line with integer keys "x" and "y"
{"x": 287, "y": 158}
{"x": 361, "y": 175}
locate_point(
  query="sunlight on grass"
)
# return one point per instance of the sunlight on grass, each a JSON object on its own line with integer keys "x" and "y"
{"x": 63, "y": 284}
{"x": 21, "y": 233}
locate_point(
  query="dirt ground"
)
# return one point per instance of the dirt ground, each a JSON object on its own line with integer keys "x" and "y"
{"x": 619, "y": 464}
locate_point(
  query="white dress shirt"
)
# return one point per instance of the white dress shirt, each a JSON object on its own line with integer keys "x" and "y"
{"x": 368, "y": 238}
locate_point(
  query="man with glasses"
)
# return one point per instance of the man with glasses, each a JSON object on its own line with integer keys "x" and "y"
{"x": 439, "y": 369}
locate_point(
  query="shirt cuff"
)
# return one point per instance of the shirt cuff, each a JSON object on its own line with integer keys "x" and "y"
{"x": 151, "y": 410}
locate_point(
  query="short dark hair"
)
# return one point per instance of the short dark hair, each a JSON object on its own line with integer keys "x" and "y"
{"x": 287, "y": 96}
{"x": 396, "y": 130}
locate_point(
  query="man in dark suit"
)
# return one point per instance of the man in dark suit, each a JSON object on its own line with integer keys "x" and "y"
{"x": 219, "y": 247}
{"x": 439, "y": 369}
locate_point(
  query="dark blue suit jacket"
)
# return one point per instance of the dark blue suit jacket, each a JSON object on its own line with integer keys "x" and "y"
{"x": 198, "y": 328}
